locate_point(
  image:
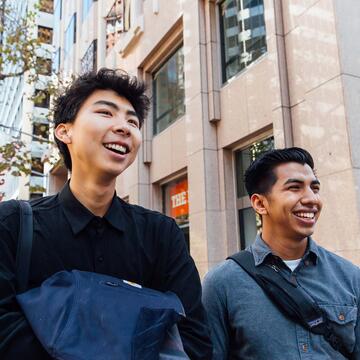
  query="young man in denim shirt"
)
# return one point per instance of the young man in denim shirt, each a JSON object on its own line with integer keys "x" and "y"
{"x": 245, "y": 323}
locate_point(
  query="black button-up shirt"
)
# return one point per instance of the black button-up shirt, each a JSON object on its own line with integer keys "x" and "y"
{"x": 129, "y": 242}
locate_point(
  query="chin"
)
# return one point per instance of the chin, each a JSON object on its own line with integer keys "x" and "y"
{"x": 304, "y": 234}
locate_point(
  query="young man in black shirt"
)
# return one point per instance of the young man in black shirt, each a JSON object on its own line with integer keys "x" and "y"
{"x": 87, "y": 227}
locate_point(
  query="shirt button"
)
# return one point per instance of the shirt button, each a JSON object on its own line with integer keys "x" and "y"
{"x": 100, "y": 259}
{"x": 341, "y": 317}
{"x": 304, "y": 347}
{"x": 293, "y": 279}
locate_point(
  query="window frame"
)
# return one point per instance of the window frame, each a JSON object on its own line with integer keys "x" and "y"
{"x": 43, "y": 103}
{"x": 184, "y": 225}
{"x": 41, "y": 38}
{"x": 38, "y": 132}
{"x": 44, "y": 8}
{"x": 224, "y": 76}
{"x": 242, "y": 200}
{"x": 154, "y": 104}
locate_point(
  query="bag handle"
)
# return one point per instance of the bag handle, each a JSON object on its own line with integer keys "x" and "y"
{"x": 23, "y": 255}
{"x": 290, "y": 299}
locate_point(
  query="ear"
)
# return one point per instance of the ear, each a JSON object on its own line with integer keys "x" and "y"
{"x": 63, "y": 133}
{"x": 259, "y": 202}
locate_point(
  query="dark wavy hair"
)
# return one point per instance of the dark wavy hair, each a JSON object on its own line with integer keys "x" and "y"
{"x": 260, "y": 175}
{"x": 68, "y": 104}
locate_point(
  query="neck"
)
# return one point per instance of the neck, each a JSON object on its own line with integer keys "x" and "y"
{"x": 286, "y": 248}
{"x": 96, "y": 196}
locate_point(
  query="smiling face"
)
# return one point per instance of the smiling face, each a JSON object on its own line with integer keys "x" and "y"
{"x": 104, "y": 138}
{"x": 293, "y": 205}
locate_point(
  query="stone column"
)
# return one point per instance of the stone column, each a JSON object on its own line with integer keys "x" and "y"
{"x": 201, "y": 143}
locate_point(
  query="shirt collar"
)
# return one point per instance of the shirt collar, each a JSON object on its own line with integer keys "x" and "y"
{"x": 261, "y": 250}
{"x": 79, "y": 216}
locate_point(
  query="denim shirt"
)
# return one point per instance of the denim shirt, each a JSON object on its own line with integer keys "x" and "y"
{"x": 245, "y": 324}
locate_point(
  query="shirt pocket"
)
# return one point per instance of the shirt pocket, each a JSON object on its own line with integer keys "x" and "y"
{"x": 343, "y": 320}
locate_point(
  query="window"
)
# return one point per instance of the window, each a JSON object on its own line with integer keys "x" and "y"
{"x": 169, "y": 92}
{"x": 70, "y": 40}
{"x": 41, "y": 99}
{"x": 45, "y": 34}
{"x": 249, "y": 221}
{"x": 56, "y": 61}
{"x": 58, "y": 10}
{"x": 86, "y": 7}
{"x": 114, "y": 24}
{"x": 44, "y": 66}
{"x": 46, "y": 6}
{"x": 89, "y": 60}
{"x": 176, "y": 204}
{"x": 37, "y": 167}
{"x": 41, "y": 130}
{"x": 243, "y": 34}
{"x": 70, "y": 33}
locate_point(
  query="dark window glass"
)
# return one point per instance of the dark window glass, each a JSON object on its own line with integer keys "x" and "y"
{"x": 244, "y": 157}
{"x": 41, "y": 99}
{"x": 45, "y": 34}
{"x": 243, "y": 34}
{"x": 46, "y": 6}
{"x": 44, "y": 66}
{"x": 169, "y": 92}
{"x": 249, "y": 221}
{"x": 37, "y": 167}
{"x": 249, "y": 224}
{"x": 41, "y": 130}
{"x": 89, "y": 60}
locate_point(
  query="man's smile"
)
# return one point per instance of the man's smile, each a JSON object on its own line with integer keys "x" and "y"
{"x": 305, "y": 215}
{"x": 117, "y": 148}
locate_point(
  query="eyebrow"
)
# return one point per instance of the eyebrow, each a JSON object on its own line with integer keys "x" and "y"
{"x": 298, "y": 181}
{"x": 115, "y": 107}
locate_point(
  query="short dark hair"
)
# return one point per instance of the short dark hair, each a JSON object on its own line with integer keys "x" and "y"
{"x": 260, "y": 175}
{"x": 68, "y": 104}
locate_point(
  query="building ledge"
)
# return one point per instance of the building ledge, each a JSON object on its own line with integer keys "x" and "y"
{"x": 125, "y": 44}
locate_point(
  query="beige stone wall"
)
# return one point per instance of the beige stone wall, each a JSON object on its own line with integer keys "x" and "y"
{"x": 294, "y": 91}
{"x": 304, "y": 91}
{"x": 319, "y": 115}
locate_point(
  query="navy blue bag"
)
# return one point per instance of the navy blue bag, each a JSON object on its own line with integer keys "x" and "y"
{"x": 79, "y": 315}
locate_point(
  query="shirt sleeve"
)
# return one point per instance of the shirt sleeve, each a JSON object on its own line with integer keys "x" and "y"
{"x": 17, "y": 340}
{"x": 183, "y": 279}
{"x": 215, "y": 307}
{"x": 356, "y": 352}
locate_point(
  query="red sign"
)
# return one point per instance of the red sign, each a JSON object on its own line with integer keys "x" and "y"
{"x": 179, "y": 203}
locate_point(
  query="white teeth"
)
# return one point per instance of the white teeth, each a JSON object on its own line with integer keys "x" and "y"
{"x": 117, "y": 147}
{"x": 306, "y": 215}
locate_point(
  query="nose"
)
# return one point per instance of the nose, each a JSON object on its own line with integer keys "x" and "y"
{"x": 310, "y": 197}
{"x": 121, "y": 127}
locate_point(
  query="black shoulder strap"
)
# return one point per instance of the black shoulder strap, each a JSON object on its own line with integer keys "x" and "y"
{"x": 23, "y": 254}
{"x": 290, "y": 299}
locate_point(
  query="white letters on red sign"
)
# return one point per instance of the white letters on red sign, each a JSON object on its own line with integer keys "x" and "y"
{"x": 179, "y": 199}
